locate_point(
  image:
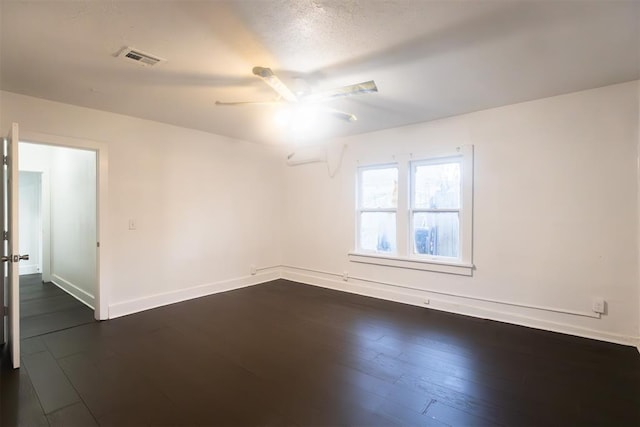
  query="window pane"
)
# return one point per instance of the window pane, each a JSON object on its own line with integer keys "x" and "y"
{"x": 436, "y": 234}
{"x": 437, "y": 186}
{"x": 378, "y": 231}
{"x": 379, "y": 188}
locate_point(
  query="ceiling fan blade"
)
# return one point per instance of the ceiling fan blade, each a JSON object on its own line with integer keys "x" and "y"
{"x": 276, "y": 84}
{"x": 347, "y": 117}
{"x": 232, "y": 104}
{"x": 356, "y": 89}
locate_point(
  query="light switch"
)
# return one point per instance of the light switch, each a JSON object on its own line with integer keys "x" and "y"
{"x": 132, "y": 224}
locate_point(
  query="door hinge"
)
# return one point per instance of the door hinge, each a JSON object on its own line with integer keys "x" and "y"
{"x": 5, "y": 235}
{"x": 5, "y": 160}
{"x": 98, "y": 244}
{"x": 5, "y": 311}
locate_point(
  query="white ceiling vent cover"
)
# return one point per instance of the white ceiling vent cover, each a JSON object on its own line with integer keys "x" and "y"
{"x": 137, "y": 56}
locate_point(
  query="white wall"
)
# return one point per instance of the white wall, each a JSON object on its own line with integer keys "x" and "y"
{"x": 73, "y": 221}
{"x": 206, "y": 207}
{"x": 555, "y": 217}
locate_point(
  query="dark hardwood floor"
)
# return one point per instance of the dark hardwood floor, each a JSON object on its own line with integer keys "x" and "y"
{"x": 283, "y": 353}
{"x": 45, "y": 308}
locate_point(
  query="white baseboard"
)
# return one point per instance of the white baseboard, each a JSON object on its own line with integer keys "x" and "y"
{"x": 371, "y": 290}
{"x": 393, "y": 294}
{"x": 79, "y": 294}
{"x": 140, "y": 304}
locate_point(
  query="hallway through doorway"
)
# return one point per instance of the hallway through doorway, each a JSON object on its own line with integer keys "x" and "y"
{"x": 45, "y": 308}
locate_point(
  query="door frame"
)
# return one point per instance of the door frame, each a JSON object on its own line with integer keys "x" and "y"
{"x": 102, "y": 236}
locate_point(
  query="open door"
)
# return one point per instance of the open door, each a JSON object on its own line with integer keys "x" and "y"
{"x": 4, "y": 291}
{"x": 10, "y": 254}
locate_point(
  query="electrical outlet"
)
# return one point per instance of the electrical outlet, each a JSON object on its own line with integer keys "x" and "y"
{"x": 598, "y": 305}
{"x": 253, "y": 270}
{"x": 132, "y": 224}
{"x": 426, "y": 301}
{"x": 345, "y": 276}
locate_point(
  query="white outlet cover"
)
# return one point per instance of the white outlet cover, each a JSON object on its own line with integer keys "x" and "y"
{"x": 598, "y": 305}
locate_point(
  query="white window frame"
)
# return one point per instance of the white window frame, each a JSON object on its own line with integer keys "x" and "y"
{"x": 404, "y": 257}
{"x": 360, "y": 210}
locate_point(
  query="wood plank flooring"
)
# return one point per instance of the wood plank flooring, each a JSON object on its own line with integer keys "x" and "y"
{"x": 284, "y": 353}
{"x": 45, "y": 308}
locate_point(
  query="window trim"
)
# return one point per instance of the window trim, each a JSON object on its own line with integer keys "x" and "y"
{"x": 404, "y": 256}
{"x": 462, "y": 269}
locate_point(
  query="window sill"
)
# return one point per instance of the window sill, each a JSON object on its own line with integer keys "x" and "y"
{"x": 461, "y": 269}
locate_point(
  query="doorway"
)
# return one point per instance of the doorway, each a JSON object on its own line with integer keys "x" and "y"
{"x": 30, "y": 209}
{"x": 102, "y": 244}
{"x": 58, "y": 229}
{"x": 12, "y": 256}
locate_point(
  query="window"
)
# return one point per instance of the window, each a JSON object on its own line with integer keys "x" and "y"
{"x": 435, "y": 207}
{"x": 377, "y": 208}
{"x": 430, "y": 228}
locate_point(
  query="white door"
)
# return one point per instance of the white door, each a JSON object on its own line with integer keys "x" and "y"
{"x": 10, "y": 254}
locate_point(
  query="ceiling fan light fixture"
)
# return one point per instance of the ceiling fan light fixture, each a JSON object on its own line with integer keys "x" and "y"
{"x": 276, "y": 84}
{"x": 302, "y": 110}
{"x": 299, "y": 119}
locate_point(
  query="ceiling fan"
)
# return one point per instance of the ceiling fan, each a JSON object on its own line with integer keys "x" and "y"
{"x": 286, "y": 96}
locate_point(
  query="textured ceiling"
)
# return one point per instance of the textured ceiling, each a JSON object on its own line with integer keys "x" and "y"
{"x": 430, "y": 59}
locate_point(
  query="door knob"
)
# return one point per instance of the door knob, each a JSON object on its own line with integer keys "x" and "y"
{"x": 15, "y": 258}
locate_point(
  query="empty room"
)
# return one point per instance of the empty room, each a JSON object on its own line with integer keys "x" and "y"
{"x": 314, "y": 212}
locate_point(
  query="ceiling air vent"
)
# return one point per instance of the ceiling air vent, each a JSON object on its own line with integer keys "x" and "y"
{"x": 139, "y": 57}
